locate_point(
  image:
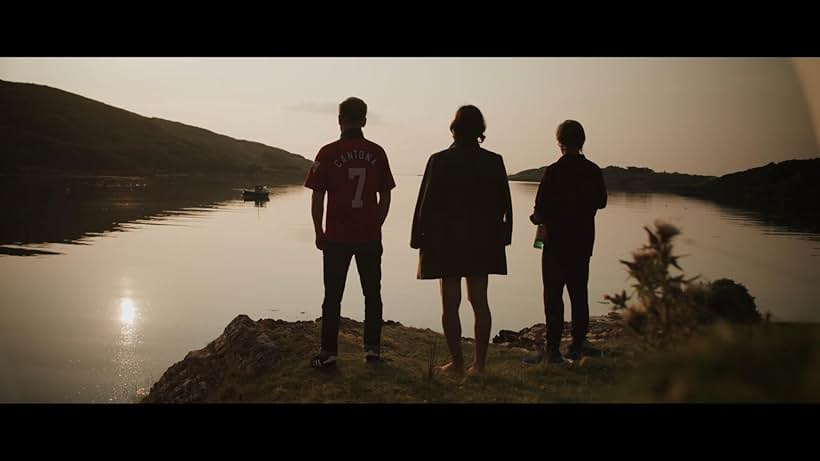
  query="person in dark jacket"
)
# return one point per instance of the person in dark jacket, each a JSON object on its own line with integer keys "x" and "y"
{"x": 461, "y": 225}
{"x": 571, "y": 192}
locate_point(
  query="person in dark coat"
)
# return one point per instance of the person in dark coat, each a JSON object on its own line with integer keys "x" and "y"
{"x": 571, "y": 192}
{"x": 461, "y": 225}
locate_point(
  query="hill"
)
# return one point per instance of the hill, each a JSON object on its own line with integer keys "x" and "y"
{"x": 44, "y": 129}
{"x": 632, "y": 179}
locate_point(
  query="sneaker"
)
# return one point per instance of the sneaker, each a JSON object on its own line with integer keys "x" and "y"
{"x": 554, "y": 356}
{"x": 323, "y": 360}
{"x": 535, "y": 358}
{"x": 576, "y": 351}
{"x": 371, "y": 354}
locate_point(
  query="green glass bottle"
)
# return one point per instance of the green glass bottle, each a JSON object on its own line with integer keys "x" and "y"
{"x": 540, "y": 237}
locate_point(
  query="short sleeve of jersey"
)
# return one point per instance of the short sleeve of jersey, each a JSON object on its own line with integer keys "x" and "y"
{"x": 317, "y": 175}
{"x": 387, "y": 181}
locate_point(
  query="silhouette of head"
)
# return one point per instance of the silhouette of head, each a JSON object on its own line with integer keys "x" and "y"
{"x": 352, "y": 113}
{"x": 570, "y": 135}
{"x": 468, "y": 125}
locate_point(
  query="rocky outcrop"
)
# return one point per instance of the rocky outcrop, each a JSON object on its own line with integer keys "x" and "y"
{"x": 236, "y": 365}
{"x": 532, "y": 338}
{"x": 243, "y": 351}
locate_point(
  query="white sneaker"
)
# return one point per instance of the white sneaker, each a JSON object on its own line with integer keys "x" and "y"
{"x": 323, "y": 361}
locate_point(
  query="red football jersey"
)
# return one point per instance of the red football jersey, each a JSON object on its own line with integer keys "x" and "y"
{"x": 352, "y": 170}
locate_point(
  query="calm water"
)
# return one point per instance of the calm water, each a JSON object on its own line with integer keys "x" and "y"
{"x": 139, "y": 278}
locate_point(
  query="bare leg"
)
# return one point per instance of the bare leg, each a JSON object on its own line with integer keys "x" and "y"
{"x": 450, "y": 300}
{"x": 477, "y": 294}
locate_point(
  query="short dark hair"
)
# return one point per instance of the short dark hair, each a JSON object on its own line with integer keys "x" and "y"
{"x": 468, "y": 124}
{"x": 353, "y": 110}
{"x": 570, "y": 133}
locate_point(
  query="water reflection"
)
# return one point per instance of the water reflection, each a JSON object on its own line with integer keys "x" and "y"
{"x": 48, "y": 211}
{"x": 144, "y": 299}
{"x": 128, "y": 312}
{"x": 40, "y": 211}
{"x": 128, "y": 365}
{"x": 800, "y": 223}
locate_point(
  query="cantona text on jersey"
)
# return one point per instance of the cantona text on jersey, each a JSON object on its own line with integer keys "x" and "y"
{"x": 355, "y": 155}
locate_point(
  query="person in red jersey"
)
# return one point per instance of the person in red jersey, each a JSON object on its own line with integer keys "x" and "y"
{"x": 355, "y": 175}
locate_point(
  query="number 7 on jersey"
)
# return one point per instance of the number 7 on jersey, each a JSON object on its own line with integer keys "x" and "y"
{"x": 360, "y": 174}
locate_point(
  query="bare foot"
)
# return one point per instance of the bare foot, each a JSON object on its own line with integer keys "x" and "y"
{"x": 450, "y": 368}
{"x": 475, "y": 370}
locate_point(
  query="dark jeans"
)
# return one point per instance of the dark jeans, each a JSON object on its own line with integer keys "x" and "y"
{"x": 336, "y": 264}
{"x": 574, "y": 273}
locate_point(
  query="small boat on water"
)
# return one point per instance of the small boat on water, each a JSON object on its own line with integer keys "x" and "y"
{"x": 257, "y": 194}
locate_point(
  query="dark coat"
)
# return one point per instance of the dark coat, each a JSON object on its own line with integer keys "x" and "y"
{"x": 463, "y": 217}
{"x": 572, "y": 190}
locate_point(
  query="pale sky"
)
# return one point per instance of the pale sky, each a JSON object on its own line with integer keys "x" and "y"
{"x": 707, "y": 116}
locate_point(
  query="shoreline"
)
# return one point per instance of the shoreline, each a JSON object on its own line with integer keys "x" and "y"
{"x": 266, "y": 360}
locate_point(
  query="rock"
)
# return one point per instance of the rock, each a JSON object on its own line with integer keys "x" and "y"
{"x": 390, "y": 323}
{"x": 534, "y": 337}
{"x": 244, "y": 350}
{"x": 528, "y": 338}
{"x": 505, "y": 336}
{"x": 248, "y": 350}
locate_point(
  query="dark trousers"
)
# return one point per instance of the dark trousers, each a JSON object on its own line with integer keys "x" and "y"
{"x": 336, "y": 257}
{"x": 574, "y": 273}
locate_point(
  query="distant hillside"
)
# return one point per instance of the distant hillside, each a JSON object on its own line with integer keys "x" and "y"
{"x": 533, "y": 174}
{"x": 785, "y": 194}
{"x": 633, "y": 179}
{"x": 792, "y": 185}
{"x": 46, "y": 129}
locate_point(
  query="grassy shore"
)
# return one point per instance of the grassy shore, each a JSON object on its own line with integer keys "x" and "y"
{"x": 769, "y": 362}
